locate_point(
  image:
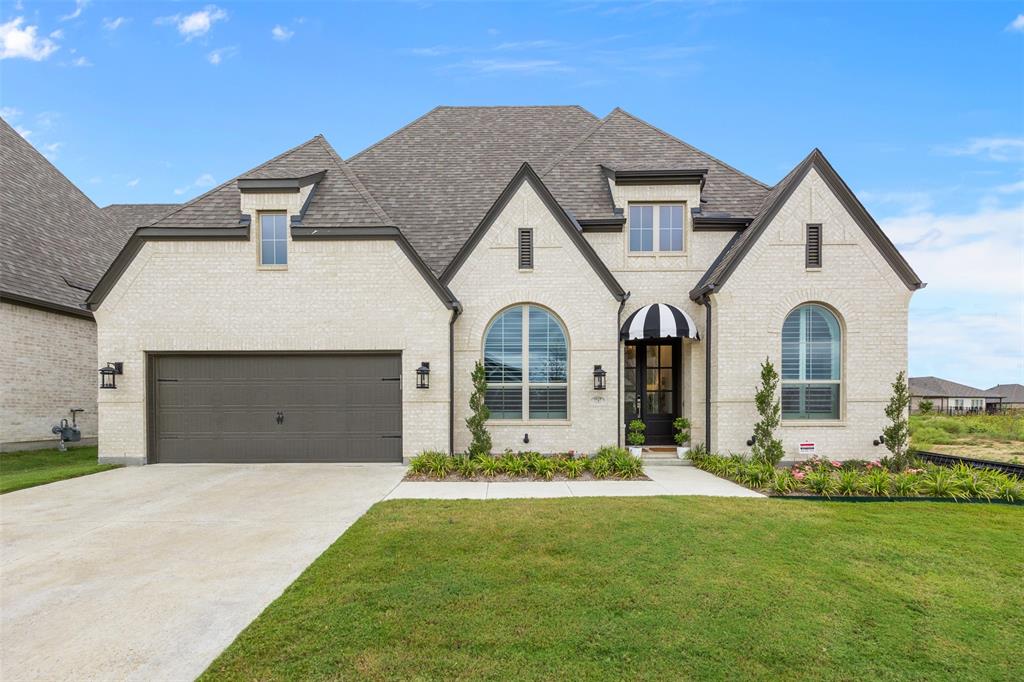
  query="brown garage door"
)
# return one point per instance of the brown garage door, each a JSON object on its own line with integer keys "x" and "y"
{"x": 276, "y": 408}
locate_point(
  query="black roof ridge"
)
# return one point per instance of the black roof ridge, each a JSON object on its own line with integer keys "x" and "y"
{"x": 356, "y": 182}
{"x": 224, "y": 184}
{"x": 689, "y": 146}
{"x": 598, "y": 123}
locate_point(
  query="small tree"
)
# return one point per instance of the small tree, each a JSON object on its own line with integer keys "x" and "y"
{"x": 682, "y": 427}
{"x": 479, "y": 414}
{"x": 636, "y": 435}
{"x": 897, "y": 434}
{"x": 767, "y": 448}
{"x": 926, "y": 406}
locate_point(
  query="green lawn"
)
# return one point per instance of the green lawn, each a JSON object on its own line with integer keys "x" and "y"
{"x": 652, "y": 588}
{"x": 35, "y": 467}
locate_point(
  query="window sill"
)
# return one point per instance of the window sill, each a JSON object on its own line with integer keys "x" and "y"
{"x": 529, "y": 422}
{"x": 525, "y": 270}
{"x": 793, "y": 423}
{"x": 272, "y": 268}
{"x": 817, "y": 269}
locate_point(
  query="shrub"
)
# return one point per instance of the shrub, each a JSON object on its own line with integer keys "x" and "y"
{"x": 465, "y": 466}
{"x": 420, "y": 464}
{"x": 698, "y": 453}
{"x": 636, "y": 435}
{"x": 1007, "y": 488}
{"x": 437, "y": 464}
{"x": 925, "y": 406}
{"x": 973, "y": 482}
{"x": 574, "y": 467}
{"x": 849, "y": 483}
{"x": 906, "y": 484}
{"x": 756, "y": 474}
{"x": 876, "y": 482}
{"x": 897, "y": 434}
{"x": 489, "y": 465}
{"x": 544, "y": 467}
{"x": 479, "y": 413}
{"x": 514, "y": 465}
{"x": 854, "y": 465}
{"x": 601, "y": 467}
{"x": 941, "y": 482}
{"x": 784, "y": 482}
{"x": 681, "y": 425}
{"x": 625, "y": 465}
{"x": 820, "y": 483}
{"x": 767, "y": 448}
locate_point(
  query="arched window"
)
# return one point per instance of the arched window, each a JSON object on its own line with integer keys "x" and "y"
{"x": 526, "y": 360}
{"x": 811, "y": 364}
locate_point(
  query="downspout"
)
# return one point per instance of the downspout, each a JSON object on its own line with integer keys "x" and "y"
{"x": 707, "y": 370}
{"x": 456, "y": 311}
{"x": 618, "y": 370}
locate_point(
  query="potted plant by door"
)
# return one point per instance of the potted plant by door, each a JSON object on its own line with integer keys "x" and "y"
{"x": 636, "y": 437}
{"x": 682, "y": 436}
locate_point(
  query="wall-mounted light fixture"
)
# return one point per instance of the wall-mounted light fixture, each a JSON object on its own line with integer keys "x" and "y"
{"x": 600, "y": 377}
{"x": 108, "y": 374}
{"x": 423, "y": 375}
{"x": 753, "y": 439}
{"x": 878, "y": 441}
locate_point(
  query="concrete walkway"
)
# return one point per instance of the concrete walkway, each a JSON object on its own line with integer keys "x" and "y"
{"x": 665, "y": 480}
{"x": 147, "y": 573}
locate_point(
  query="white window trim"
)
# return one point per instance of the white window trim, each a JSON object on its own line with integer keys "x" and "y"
{"x": 525, "y": 384}
{"x": 656, "y": 227}
{"x": 840, "y": 415}
{"x": 259, "y": 241}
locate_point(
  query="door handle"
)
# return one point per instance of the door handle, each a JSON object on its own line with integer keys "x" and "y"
{"x": 280, "y": 418}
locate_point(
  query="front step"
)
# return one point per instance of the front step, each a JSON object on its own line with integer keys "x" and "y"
{"x": 661, "y": 459}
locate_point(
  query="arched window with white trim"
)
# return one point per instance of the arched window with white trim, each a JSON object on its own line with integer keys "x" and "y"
{"x": 526, "y": 361}
{"x": 811, "y": 359}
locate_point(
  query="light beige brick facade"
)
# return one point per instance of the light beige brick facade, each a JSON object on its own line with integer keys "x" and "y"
{"x": 213, "y": 296}
{"x": 48, "y": 364}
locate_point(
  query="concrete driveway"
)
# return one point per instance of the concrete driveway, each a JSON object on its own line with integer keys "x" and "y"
{"x": 149, "y": 572}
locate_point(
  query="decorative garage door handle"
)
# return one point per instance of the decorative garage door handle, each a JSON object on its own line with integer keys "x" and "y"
{"x": 280, "y": 417}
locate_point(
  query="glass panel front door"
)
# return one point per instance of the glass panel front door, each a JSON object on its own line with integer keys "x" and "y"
{"x": 650, "y": 378}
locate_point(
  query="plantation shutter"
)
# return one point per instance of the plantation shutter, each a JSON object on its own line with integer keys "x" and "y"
{"x": 526, "y": 249}
{"x": 814, "y": 246}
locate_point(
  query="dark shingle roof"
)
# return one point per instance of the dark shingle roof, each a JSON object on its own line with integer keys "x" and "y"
{"x": 49, "y": 230}
{"x": 1010, "y": 393}
{"x": 623, "y": 142}
{"x": 934, "y": 387}
{"x": 127, "y": 217}
{"x": 340, "y": 199}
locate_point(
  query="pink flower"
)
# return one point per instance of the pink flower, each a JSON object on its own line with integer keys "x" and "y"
{"x": 836, "y": 464}
{"x": 799, "y": 475}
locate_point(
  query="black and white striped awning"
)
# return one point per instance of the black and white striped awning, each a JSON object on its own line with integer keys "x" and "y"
{"x": 659, "y": 321}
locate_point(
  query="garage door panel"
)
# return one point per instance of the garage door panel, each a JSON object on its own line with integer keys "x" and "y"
{"x": 224, "y": 408}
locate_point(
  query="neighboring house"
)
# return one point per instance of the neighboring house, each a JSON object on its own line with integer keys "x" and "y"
{"x": 1011, "y": 395}
{"x": 951, "y": 397}
{"x": 600, "y": 268}
{"x": 55, "y": 246}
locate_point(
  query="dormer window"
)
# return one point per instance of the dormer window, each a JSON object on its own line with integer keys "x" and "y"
{"x": 656, "y": 228}
{"x": 274, "y": 239}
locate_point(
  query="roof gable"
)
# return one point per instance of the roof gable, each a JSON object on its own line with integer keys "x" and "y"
{"x": 737, "y": 249}
{"x": 50, "y": 232}
{"x": 526, "y": 174}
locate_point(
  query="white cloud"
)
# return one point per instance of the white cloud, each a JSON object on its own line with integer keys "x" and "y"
{"x": 281, "y": 33}
{"x": 992, "y": 148}
{"x": 79, "y": 6}
{"x": 1011, "y": 188}
{"x": 50, "y": 150}
{"x": 58, "y": 34}
{"x": 134, "y": 182}
{"x": 202, "y": 182}
{"x": 522, "y": 66}
{"x": 46, "y": 119}
{"x": 23, "y": 43}
{"x": 196, "y": 24}
{"x": 114, "y": 24}
{"x": 527, "y": 45}
{"x": 7, "y": 113}
{"x": 24, "y": 132}
{"x": 1017, "y": 24}
{"x": 81, "y": 61}
{"x": 217, "y": 56}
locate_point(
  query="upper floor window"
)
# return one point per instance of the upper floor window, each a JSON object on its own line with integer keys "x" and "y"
{"x": 655, "y": 230}
{"x": 810, "y": 364}
{"x": 273, "y": 239}
{"x": 526, "y": 361}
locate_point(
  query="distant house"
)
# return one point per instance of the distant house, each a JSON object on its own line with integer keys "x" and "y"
{"x": 951, "y": 397}
{"x": 1012, "y": 395}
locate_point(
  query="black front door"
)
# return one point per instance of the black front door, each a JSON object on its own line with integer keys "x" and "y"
{"x": 651, "y": 380}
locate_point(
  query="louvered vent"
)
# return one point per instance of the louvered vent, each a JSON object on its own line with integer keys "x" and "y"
{"x": 526, "y": 249}
{"x": 814, "y": 246}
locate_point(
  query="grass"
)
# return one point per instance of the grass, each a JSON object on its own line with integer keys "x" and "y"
{"x": 984, "y": 436}
{"x": 651, "y": 588}
{"x": 35, "y": 467}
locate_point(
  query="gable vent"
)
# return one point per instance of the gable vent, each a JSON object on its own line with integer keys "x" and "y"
{"x": 813, "y": 246}
{"x": 526, "y": 249}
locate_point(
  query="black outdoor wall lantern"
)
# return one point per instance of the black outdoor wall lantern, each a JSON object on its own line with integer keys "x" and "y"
{"x": 878, "y": 441}
{"x": 108, "y": 374}
{"x": 423, "y": 375}
{"x": 600, "y": 377}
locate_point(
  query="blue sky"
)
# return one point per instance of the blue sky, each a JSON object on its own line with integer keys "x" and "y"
{"x": 919, "y": 106}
